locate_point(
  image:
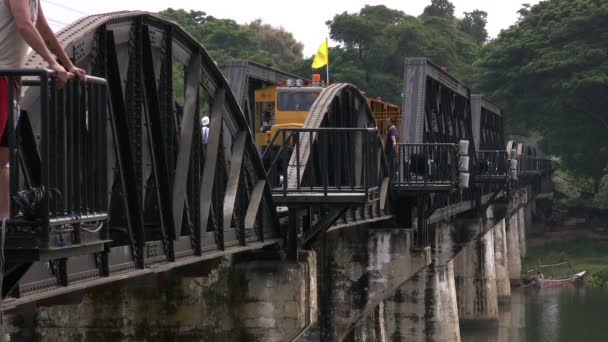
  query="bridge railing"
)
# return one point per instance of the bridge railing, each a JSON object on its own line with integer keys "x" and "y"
{"x": 58, "y": 185}
{"x": 324, "y": 162}
{"x": 426, "y": 167}
{"x": 493, "y": 163}
{"x": 534, "y": 165}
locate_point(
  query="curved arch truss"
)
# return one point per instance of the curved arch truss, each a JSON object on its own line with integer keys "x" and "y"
{"x": 336, "y": 166}
{"x": 171, "y": 197}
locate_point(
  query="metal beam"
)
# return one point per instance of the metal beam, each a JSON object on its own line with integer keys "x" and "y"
{"x": 120, "y": 131}
{"x": 185, "y": 140}
{"x": 238, "y": 152}
{"x": 212, "y": 151}
{"x": 160, "y": 170}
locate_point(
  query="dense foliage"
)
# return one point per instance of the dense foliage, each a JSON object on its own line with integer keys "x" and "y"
{"x": 373, "y": 43}
{"x": 550, "y": 74}
{"x": 224, "y": 39}
{"x": 376, "y": 40}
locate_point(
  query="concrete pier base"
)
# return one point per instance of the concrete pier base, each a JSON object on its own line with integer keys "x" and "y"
{"x": 218, "y": 300}
{"x": 513, "y": 249}
{"x": 359, "y": 269}
{"x": 475, "y": 275}
{"x": 521, "y": 225}
{"x": 425, "y": 309}
{"x": 501, "y": 259}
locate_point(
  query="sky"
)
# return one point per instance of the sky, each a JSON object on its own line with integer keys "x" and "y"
{"x": 305, "y": 19}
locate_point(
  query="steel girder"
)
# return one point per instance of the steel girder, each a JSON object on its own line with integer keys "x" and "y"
{"x": 436, "y": 107}
{"x": 488, "y": 131}
{"x": 340, "y": 105}
{"x": 172, "y": 200}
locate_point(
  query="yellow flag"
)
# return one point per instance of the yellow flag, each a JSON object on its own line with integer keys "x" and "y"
{"x": 322, "y": 56}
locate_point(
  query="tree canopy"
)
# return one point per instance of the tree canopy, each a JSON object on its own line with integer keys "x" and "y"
{"x": 375, "y": 41}
{"x": 474, "y": 24}
{"x": 440, "y": 8}
{"x": 225, "y": 39}
{"x": 550, "y": 74}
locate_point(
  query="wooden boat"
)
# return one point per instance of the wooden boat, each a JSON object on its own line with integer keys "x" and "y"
{"x": 566, "y": 281}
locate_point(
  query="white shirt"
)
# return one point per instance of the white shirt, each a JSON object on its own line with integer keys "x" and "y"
{"x": 205, "y": 134}
{"x": 13, "y": 48}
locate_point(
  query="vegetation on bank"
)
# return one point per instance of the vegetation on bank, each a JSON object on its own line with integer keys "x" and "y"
{"x": 589, "y": 255}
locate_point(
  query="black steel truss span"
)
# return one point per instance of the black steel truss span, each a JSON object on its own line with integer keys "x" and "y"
{"x": 335, "y": 172}
{"x": 488, "y": 129}
{"x": 172, "y": 199}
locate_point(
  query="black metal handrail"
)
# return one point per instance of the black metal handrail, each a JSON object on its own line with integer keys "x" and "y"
{"x": 531, "y": 164}
{"x": 493, "y": 163}
{"x": 68, "y": 166}
{"x": 427, "y": 164}
{"x": 323, "y": 160}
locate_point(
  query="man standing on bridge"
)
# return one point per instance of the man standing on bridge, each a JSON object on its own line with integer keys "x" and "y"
{"x": 23, "y": 25}
{"x": 391, "y": 148}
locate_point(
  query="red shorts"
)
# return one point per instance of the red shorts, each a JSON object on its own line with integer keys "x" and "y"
{"x": 4, "y": 108}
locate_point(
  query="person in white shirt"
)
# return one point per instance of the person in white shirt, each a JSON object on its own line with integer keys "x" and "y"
{"x": 23, "y": 25}
{"x": 266, "y": 122}
{"x": 205, "y": 129}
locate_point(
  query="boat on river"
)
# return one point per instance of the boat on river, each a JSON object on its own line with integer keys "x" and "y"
{"x": 559, "y": 282}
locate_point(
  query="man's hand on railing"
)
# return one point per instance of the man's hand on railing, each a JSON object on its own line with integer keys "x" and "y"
{"x": 61, "y": 74}
{"x": 81, "y": 74}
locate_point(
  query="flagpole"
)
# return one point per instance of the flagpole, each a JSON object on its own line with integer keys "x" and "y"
{"x": 327, "y": 45}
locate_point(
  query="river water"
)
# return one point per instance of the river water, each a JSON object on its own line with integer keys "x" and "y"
{"x": 555, "y": 315}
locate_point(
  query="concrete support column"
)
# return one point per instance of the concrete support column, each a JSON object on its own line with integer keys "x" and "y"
{"x": 216, "y": 300}
{"x": 475, "y": 274}
{"x": 521, "y": 225}
{"x": 373, "y": 329}
{"x": 359, "y": 268}
{"x": 425, "y": 308}
{"x": 501, "y": 258}
{"x": 513, "y": 249}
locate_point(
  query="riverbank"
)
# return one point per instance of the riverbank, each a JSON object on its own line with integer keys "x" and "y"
{"x": 583, "y": 252}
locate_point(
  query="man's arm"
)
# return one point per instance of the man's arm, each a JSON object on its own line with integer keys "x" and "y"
{"x": 394, "y": 138}
{"x": 53, "y": 44}
{"x": 21, "y": 12}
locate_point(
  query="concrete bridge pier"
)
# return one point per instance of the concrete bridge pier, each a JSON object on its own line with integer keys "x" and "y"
{"x": 501, "y": 258}
{"x": 250, "y": 297}
{"x": 424, "y": 308}
{"x": 475, "y": 275}
{"x": 521, "y": 225}
{"x": 516, "y": 234}
{"x": 358, "y": 269}
{"x": 513, "y": 249}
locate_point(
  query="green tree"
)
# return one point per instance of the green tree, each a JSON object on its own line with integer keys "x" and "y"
{"x": 375, "y": 41}
{"x": 367, "y": 33}
{"x": 280, "y": 44}
{"x": 225, "y": 39}
{"x": 439, "y": 8}
{"x": 550, "y": 73}
{"x": 474, "y": 24}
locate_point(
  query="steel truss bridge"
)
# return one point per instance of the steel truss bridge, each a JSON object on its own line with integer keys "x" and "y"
{"x": 112, "y": 181}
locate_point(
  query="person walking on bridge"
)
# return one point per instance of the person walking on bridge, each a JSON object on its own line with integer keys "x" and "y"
{"x": 391, "y": 148}
{"x": 23, "y": 25}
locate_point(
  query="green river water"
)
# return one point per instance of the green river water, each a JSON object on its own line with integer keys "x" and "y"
{"x": 555, "y": 315}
